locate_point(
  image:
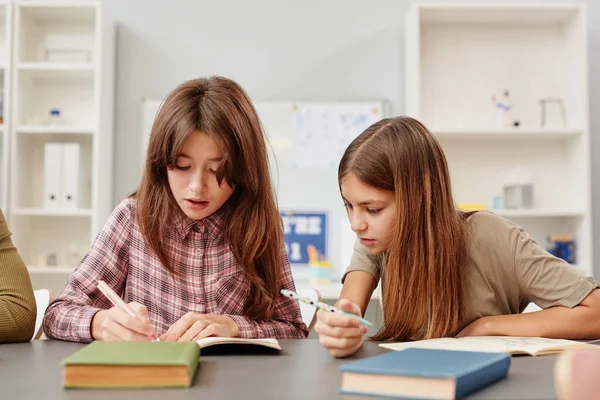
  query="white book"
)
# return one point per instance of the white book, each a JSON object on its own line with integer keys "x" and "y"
{"x": 213, "y": 341}
{"x": 532, "y": 346}
{"x": 53, "y": 175}
{"x": 71, "y": 176}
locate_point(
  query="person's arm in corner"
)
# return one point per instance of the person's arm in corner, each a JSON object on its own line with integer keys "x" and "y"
{"x": 17, "y": 302}
{"x": 579, "y": 322}
{"x": 570, "y": 302}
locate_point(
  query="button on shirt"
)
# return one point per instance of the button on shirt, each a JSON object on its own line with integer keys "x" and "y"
{"x": 210, "y": 280}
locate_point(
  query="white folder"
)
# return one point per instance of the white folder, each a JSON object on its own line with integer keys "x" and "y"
{"x": 71, "y": 176}
{"x": 52, "y": 175}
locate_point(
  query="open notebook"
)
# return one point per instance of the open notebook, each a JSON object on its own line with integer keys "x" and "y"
{"x": 532, "y": 346}
{"x": 214, "y": 341}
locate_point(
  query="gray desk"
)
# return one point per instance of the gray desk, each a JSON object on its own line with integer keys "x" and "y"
{"x": 304, "y": 370}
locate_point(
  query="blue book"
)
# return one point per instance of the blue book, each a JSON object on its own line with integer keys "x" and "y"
{"x": 424, "y": 373}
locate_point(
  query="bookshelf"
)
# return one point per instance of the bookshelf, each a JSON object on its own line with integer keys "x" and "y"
{"x": 460, "y": 55}
{"x": 63, "y": 60}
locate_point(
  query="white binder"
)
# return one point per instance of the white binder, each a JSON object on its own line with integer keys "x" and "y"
{"x": 71, "y": 176}
{"x": 52, "y": 175}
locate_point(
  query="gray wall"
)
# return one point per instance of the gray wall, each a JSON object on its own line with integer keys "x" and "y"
{"x": 277, "y": 50}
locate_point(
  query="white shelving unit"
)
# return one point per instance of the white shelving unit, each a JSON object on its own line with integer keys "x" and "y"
{"x": 63, "y": 60}
{"x": 460, "y": 55}
{"x": 5, "y": 80}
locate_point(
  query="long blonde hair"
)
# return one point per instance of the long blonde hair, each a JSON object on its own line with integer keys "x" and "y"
{"x": 422, "y": 282}
{"x": 254, "y": 230}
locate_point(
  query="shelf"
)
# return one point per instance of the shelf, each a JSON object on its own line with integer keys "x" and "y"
{"x": 54, "y": 129}
{"x": 536, "y": 213}
{"x": 516, "y": 134}
{"x": 59, "y": 11}
{"x": 46, "y": 66}
{"x": 41, "y": 212}
{"x": 51, "y": 270}
{"x": 56, "y": 70}
{"x": 497, "y": 13}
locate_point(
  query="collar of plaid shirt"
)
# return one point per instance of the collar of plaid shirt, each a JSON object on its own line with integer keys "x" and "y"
{"x": 214, "y": 223}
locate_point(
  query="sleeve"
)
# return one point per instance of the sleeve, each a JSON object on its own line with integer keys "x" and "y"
{"x": 363, "y": 261}
{"x": 17, "y": 302}
{"x": 547, "y": 280}
{"x": 70, "y": 316}
{"x": 286, "y": 322}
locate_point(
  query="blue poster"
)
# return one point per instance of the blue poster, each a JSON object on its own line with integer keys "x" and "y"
{"x": 305, "y": 235}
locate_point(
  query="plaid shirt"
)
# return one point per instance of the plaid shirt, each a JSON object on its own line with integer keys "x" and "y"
{"x": 211, "y": 281}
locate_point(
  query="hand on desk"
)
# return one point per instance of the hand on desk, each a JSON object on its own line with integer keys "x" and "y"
{"x": 339, "y": 334}
{"x": 116, "y": 325}
{"x": 194, "y": 326}
{"x": 479, "y": 327}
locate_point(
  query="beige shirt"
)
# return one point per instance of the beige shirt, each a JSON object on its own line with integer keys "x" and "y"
{"x": 504, "y": 272}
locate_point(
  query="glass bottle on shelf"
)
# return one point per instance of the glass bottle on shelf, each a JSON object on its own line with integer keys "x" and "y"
{"x": 55, "y": 118}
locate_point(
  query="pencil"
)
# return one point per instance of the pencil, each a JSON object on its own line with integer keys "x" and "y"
{"x": 322, "y": 306}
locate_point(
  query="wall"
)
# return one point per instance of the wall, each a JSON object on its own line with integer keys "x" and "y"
{"x": 277, "y": 50}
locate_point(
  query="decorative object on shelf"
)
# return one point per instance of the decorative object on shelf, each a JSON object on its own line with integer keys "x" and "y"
{"x": 62, "y": 169}
{"x": 497, "y": 202}
{"x": 517, "y": 191}
{"x": 503, "y": 111}
{"x": 49, "y": 259}
{"x": 55, "y": 117}
{"x": 471, "y": 206}
{"x": 549, "y": 120}
{"x": 562, "y": 246}
{"x": 518, "y": 196}
{"x": 319, "y": 268}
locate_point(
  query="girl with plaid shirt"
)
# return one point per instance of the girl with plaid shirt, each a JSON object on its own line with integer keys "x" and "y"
{"x": 198, "y": 250}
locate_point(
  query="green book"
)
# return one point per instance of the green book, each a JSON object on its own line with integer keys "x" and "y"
{"x": 132, "y": 365}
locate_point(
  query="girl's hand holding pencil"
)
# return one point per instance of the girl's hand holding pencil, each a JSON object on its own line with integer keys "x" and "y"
{"x": 341, "y": 329}
{"x": 124, "y": 321}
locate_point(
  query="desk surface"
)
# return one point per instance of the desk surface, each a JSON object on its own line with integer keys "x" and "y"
{"x": 303, "y": 370}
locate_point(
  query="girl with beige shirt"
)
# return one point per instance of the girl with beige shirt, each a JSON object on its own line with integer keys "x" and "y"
{"x": 443, "y": 272}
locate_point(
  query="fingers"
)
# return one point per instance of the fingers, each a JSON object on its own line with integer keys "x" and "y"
{"x": 341, "y": 335}
{"x": 193, "y": 331}
{"x": 210, "y": 330}
{"x": 341, "y": 347}
{"x": 140, "y": 310}
{"x": 180, "y": 327}
{"x": 339, "y": 331}
{"x": 336, "y": 319}
{"x": 113, "y": 330}
{"x": 348, "y": 306}
{"x": 121, "y": 317}
{"x": 142, "y": 314}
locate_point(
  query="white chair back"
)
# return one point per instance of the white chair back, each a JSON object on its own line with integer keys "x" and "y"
{"x": 42, "y": 300}
{"x": 309, "y": 313}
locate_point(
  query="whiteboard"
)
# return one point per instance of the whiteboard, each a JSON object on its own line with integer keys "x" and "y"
{"x": 307, "y": 140}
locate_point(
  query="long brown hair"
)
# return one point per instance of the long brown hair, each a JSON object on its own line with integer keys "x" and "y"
{"x": 220, "y": 108}
{"x": 421, "y": 282}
